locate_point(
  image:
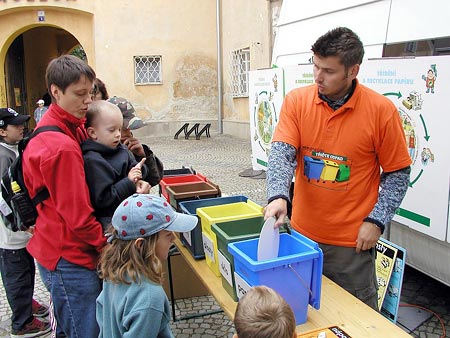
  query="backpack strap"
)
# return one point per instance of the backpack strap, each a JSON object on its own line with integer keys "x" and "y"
{"x": 24, "y": 142}
{"x": 43, "y": 194}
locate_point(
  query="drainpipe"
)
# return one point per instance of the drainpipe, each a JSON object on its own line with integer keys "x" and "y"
{"x": 219, "y": 67}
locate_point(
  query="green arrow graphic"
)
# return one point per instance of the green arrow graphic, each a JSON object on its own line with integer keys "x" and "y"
{"x": 427, "y": 137}
{"x": 416, "y": 179}
{"x": 399, "y": 95}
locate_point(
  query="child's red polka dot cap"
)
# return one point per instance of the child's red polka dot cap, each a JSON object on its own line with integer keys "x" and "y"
{"x": 142, "y": 215}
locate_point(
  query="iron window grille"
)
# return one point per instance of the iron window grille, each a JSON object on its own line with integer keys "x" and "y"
{"x": 147, "y": 69}
{"x": 240, "y": 66}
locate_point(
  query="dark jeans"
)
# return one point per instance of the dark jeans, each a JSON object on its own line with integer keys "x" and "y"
{"x": 18, "y": 271}
{"x": 353, "y": 272}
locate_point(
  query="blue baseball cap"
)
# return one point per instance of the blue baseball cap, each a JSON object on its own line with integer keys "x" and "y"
{"x": 142, "y": 215}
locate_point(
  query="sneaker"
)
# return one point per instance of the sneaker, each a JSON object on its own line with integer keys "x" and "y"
{"x": 35, "y": 328}
{"x": 38, "y": 309}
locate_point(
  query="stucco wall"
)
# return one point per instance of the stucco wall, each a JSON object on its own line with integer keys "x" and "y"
{"x": 183, "y": 33}
{"x": 244, "y": 24}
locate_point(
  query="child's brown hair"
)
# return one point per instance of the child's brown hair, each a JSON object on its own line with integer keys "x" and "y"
{"x": 263, "y": 313}
{"x": 127, "y": 261}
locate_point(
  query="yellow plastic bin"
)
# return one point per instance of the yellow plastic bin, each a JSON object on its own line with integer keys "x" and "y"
{"x": 222, "y": 213}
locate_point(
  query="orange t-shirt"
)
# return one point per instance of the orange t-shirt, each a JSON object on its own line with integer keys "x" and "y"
{"x": 339, "y": 155}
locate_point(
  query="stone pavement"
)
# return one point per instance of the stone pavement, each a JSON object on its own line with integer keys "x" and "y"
{"x": 221, "y": 159}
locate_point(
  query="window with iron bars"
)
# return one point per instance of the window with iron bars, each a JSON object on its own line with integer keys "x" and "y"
{"x": 240, "y": 66}
{"x": 147, "y": 69}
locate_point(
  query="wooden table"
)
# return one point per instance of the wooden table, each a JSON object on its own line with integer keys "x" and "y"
{"x": 337, "y": 306}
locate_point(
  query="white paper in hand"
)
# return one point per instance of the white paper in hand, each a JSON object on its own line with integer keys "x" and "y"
{"x": 269, "y": 241}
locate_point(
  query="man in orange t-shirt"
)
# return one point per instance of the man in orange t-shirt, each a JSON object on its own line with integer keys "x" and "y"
{"x": 337, "y": 134}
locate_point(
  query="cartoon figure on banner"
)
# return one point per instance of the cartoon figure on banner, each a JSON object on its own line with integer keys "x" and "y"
{"x": 410, "y": 133}
{"x": 275, "y": 83}
{"x": 412, "y": 144}
{"x": 430, "y": 79}
{"x": 426, "y": 155}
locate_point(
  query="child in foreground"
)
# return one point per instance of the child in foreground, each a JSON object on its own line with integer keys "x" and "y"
{"x": 133, "y": 302}
{"x": 263, "y": 313}
{"x": 112, "y": 173}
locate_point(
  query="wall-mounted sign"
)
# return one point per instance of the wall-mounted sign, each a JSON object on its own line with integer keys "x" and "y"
{"x": 41, "y": 16}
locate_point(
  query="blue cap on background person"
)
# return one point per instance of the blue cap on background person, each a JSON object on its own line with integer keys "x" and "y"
{"x": 142, "y": 215}
{"x": 130, "y": 119}
{"x": 10, "y": 116}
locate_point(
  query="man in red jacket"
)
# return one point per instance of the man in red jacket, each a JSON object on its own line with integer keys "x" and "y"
{"x": 67, "y": 237}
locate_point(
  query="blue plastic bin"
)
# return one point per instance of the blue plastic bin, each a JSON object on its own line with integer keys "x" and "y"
{"x": 193, "y": 239}
{"x": 296, "y": 274}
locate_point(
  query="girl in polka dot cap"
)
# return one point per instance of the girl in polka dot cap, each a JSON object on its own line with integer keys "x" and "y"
{"x": 133, "y": 302}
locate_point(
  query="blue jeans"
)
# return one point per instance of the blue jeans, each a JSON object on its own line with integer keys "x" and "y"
{"x": 18, "y": 270}
{"x": 74, "y": 290}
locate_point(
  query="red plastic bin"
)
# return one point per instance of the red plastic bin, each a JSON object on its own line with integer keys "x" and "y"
{"x": 178, "y": 180}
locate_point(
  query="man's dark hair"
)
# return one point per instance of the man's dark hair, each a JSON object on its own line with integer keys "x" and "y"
{"x": 65, "y": 70}
{"x": 341, "y": 42}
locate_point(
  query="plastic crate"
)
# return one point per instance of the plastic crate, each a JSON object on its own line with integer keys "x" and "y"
{"x": 193, "y": 239}
{"x": 177, "y": 172}
{"x": 191, "y": 191}
{"x": 229, "y": 232}
{"x": 177, "y": 180}
{"x": 296, "y": 274}
{"x": 222, "y": 213}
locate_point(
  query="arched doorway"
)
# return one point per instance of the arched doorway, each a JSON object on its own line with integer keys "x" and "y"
{"x": 26, "y": 61}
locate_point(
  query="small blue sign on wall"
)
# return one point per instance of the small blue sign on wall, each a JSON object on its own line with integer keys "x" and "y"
{"x": 41, "y": 16}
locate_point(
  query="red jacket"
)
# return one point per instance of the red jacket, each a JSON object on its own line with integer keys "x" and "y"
{"x": 66, "y": 226}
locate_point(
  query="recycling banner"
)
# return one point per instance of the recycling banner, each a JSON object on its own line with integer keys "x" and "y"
{"x": 419, "y": 88}
{"x": 266, "y": 93}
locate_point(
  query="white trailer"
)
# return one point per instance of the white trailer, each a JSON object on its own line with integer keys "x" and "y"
{"x": 389, "y": 29}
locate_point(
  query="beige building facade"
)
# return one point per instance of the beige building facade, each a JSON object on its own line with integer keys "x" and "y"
{"x": 177, "y": 61}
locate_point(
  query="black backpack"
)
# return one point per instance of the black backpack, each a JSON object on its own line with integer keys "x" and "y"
{"x": 22, "y": 208}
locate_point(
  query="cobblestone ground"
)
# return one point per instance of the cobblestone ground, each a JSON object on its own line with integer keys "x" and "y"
{"x": 221, "y": 159}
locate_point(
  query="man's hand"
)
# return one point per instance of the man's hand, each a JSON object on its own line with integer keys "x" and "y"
{"x": 368, "y": 236}
{"x": 143, "y": 187}
{"x": 135, "y": 173}
{"x": 134, "y": 145}
{"x": 277, "y": 208}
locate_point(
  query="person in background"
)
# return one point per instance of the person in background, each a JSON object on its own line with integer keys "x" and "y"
{"x": 112, "y": 172}
{"x": 263, "y": 313}
{"x": 350, "y": 132}
{"x": 132, "y": 122}
{"x": 39, "y": 111}
{"x": 67, "y": 238}
{"x": 99, "y": 92}
{"x": 133, "y": 302}
{"x": 16, "y": 264}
